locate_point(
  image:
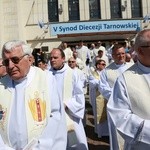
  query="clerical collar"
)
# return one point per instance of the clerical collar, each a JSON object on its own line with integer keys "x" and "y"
{"x": 143, "y": 68}
{"x": 119, "y": 65}
{"x": 21, "y": 80}
{"x": 59, "y": 67}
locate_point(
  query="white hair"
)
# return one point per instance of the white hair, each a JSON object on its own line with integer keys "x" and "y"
{"x": 10, "y": 45}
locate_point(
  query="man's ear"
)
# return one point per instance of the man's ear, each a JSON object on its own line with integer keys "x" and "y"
{"x": 63, "y": 59}
{"x": 31, "y": 60}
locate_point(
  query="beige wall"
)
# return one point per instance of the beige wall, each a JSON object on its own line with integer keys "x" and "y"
{"x": 64, "y": 16}
{"x": 84, "y": 7}
{"x": 9, "y": 20}
{"x": 105, "y": 9}
{"x": 19, "y": 19}
{"x": 127, "y": 13}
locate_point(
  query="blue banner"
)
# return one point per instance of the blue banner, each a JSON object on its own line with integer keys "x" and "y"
{"x": 96, "y": 26}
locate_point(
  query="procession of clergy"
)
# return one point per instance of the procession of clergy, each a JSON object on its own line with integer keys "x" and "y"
{"x": 88, "y": 65}
{"x": 43, "y": 109}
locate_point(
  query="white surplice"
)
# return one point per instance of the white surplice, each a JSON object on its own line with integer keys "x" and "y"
{"x": 133, "y": 128}
{"x": 105, "y": 87}
{"x": 76, "y": 104}
{"x": 83, "y": 53}
{"x": 50, "y": 138}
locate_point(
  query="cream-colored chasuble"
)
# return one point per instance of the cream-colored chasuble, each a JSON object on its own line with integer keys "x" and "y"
{"x": 100, "y": 103}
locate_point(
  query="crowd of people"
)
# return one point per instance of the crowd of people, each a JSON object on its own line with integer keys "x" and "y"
{"x": 42, "y": 99}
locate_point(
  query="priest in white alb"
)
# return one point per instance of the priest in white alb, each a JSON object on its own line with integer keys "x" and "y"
{"x": 71, "y": 93}
{"x": 106, "y": 83}
{"x": 129, "y": 103}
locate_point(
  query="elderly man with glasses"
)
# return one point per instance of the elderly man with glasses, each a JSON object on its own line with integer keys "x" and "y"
{"x": 30, "y": 108}
{"x": 83, "y": 77}
{"x": 129, "y": 103}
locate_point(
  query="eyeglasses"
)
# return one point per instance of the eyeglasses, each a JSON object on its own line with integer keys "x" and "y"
{"x": 71, "y": 61}
{"x": 15, "y": 60}
{"x": 103, "y": 64}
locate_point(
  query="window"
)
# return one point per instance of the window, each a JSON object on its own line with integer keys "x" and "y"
{"x": 94, "y": 6}
{"x": 53, "y": 10}
{"x": 73, "y": 10}
{"x": 115, "y": 6}
{"x": 136, "y": 8}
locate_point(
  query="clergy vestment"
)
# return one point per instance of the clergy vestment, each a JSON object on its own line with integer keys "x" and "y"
{"x": 81, "y": 65}
{"x": 98, "y": 105}
{"x": 31, "y": 112}
{"x": 75, "y": 104}
{"x": 83, "y": 79}
{"x": 83, "y": 53}
{"x": 82, "y": 76}
{"x": 129, "y": 107}
{"x": 68, "y": 53}
{"x": 106, "y": 83}
{"x": 95, "y": 51}
{"x": 109, "y": 76}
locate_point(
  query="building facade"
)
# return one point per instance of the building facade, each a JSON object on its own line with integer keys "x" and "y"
{"x": 46, "y": 23}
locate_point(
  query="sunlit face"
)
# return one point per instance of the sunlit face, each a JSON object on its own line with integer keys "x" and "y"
{"x": 56, "y": 59}
{"x": 119, "y": 55}
{"x": 75, "y": 54}
{"x": 100, "y": 53}
{"x": 101, "y": 65}
{"x": 17, "y": 70}
{"x": 65, "y": 45}
{"x": 72, "y": 63}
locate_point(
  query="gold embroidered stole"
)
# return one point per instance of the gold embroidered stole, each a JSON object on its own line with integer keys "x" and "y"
{"x": 37, "y": 105}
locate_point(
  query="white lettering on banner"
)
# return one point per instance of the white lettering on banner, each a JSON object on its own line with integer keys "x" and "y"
{"x": 96, "y": 26}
